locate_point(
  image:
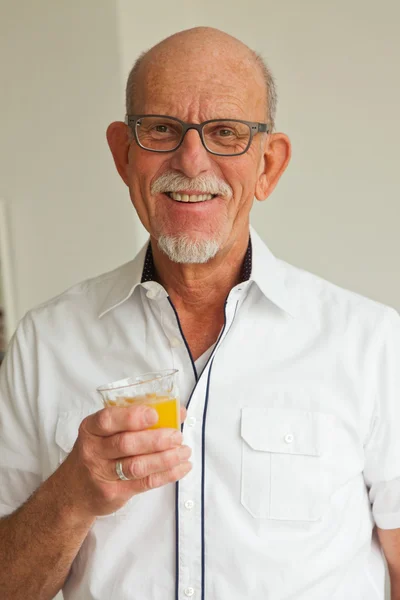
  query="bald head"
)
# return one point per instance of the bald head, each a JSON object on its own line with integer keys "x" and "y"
{"x": 201, "y": 56}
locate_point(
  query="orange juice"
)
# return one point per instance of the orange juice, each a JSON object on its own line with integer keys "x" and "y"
{"x": 166, "y": 407}
{"x": 168, "y": 413}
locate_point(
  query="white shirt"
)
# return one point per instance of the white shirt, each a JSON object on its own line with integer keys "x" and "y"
{"x": 294, "y": 426}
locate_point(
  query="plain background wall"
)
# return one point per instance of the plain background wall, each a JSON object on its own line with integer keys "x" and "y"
{"x": 63, "y": 68}
{"x": 60, "y": 88}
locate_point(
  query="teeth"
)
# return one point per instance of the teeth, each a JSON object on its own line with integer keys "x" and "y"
{"x": 191, "y": 198}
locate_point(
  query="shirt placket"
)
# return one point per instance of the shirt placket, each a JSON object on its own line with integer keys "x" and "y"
{"x": 190, "y": 509}
{"x": 188, "y": 500}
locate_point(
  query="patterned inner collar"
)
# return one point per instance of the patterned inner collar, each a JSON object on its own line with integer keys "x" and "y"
{"x": 149, "y": 271}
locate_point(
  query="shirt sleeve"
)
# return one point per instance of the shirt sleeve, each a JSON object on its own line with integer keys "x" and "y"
{"x": 19, "y": 443}
{"x": 382, "y": 451}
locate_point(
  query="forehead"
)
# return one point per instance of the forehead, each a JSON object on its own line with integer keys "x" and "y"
{"x": 200, "y": 88}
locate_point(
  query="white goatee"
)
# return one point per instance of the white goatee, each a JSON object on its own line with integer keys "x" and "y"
{"x": 184, "y": 250}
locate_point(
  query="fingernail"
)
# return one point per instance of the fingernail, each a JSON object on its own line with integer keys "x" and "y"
{"x": 184, "y": 452}
{"x": 150, "y": 416}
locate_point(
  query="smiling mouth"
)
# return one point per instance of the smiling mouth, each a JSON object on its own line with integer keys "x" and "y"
{"x": 190, "y": 197}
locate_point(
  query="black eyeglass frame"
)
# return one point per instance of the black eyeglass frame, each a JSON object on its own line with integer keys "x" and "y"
{"x": 131, "y": 121}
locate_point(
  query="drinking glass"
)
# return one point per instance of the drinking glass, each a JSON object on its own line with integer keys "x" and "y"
{"x": 158, "y": 389}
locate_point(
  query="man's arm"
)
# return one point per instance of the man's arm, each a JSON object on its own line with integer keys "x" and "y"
{"x": 39, "y": 541}
{"x": 390, "y": 542}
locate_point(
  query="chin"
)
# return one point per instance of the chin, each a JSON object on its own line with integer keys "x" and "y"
{"x": 182, "y": 249}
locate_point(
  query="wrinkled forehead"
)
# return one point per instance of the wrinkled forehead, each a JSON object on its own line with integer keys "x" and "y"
{"x": 203, "y": 82}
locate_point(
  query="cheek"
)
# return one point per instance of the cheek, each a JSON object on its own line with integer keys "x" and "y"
{"x": 242, "y": 170}
{"x": 145, "y": 167}
{"x": 243, "y": 179}
{"x": 139, "y": 179}
{"x": 139, "y": 198}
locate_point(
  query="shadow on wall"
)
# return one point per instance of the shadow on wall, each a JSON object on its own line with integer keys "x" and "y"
{"x": 2, "y": 335}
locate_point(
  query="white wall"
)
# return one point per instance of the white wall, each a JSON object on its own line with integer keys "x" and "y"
{"x": 61, "y": 85}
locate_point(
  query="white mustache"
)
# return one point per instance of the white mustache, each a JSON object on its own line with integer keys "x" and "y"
{"x": 205, "y": 184}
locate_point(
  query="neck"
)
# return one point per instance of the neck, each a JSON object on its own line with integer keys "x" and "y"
{"x": 201, "y": 288}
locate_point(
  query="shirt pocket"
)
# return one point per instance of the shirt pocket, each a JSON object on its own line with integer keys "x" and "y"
{"x": 67, "y": 430}
{"x": 282, "y": 473}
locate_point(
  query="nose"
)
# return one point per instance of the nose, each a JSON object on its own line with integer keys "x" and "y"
{"x": 191, "y": 158}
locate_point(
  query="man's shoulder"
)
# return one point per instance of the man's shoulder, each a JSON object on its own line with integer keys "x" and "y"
{"x": 310, "y": 296}
{"x": 85, "y": 297}
{"x": 327, "y": 300}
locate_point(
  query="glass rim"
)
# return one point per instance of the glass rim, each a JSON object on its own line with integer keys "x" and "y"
{"x": 172, "y": 149}
{"x": 134, "y": 381}
{"x": 204, "y": 124}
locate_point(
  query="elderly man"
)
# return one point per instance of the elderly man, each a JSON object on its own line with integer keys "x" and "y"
{"x": 291, "y": 384}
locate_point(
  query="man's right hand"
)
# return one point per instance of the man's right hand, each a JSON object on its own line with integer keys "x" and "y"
{"x": 150, "y": 458}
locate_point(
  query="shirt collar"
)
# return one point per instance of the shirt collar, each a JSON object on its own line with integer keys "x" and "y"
{"x": 259, "y": 266}
{"x": 269, "y": 274}
{"x": 121, "y": 283}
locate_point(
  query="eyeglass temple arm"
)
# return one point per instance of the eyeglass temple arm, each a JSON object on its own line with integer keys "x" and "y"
{"x": 260, "y": 128}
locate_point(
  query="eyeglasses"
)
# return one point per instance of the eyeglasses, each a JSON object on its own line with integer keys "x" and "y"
{"x": 223, "y": 137}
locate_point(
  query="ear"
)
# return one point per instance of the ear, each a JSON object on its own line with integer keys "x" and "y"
{"x": 118, "y": 141}
{"x": 276, "y": 156}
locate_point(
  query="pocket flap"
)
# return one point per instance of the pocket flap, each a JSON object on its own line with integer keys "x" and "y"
{"x": 67, "y": 428}
{"x": 285, "y": 431}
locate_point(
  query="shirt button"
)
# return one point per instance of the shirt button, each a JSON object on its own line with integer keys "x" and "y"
{"x": 189, "y": 591}
{"x": 192, "y": 421}
{"x": 289, "y": 438}
{"x": 189, "y": 504}
{"x": 175, "y": 342}
{"x": 152, "y": 294}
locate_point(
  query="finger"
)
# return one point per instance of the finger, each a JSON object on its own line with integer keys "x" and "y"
{"x": 111, "y": 420}
{"x": 183, "y": 413}
{"x": 158, "y": 479}
{"x": 140, "y": 467}
{"x": 128, "y": 443}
